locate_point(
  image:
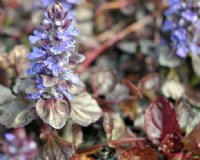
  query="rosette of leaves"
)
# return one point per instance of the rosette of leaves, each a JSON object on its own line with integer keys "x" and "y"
{"x": 58, "y": 91}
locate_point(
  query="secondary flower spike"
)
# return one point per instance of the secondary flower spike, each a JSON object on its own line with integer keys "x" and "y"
{"x": 53, "y": 61}
{"x": 19, "y": 146}
{"x": 182, "y": 23}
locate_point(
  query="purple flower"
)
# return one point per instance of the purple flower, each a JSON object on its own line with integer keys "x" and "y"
{"x": 56, "y": 81}
{"x": 181, "y": 22}
{"x": 18, "y": 146}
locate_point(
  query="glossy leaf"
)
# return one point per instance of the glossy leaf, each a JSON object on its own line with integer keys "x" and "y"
{"x": 160, "y": 119}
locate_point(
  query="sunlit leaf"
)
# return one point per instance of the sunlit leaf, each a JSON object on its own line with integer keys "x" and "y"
{"x": 85, "y": 109}
{"x": 172, "y": 89}
{"x": 160, "y": 119}
{"x": 53, "y": 112}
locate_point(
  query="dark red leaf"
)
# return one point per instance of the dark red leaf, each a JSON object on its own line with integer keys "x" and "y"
{"x": 160, "y": 119}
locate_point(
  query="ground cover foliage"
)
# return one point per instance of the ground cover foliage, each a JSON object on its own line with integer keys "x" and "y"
{"x": 99, "y": 80}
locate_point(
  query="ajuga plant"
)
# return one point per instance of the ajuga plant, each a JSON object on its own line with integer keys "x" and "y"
{"x": 53, "y": 63}
{"x": 182, "y": 25}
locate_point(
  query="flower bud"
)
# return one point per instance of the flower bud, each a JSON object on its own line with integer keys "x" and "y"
{"x": 55, "y": 11}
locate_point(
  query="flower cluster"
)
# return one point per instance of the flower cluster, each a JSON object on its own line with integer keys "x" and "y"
{"x": 18, "y": 146}
{"x": 182, "y": 22}
{"x": 52, "y": 64}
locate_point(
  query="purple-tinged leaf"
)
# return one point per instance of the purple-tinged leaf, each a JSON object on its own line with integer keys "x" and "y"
{"x": 53, "y": 112}
{"x": 55, "y": 147}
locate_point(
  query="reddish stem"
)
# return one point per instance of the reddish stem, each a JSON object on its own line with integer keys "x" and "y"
{"x": 93, "y": 54}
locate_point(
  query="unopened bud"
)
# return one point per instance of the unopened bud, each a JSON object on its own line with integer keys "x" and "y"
{"x": 55, "y": 11}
